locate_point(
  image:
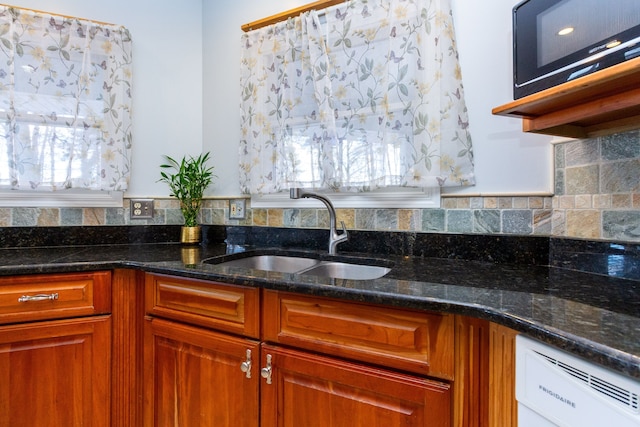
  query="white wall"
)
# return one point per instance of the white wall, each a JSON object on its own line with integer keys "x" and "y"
{"x": 186, "y": 88}
{"x": 221, "y": 108}
{"x": 167, "y": 76}
{"x": 507, "y": 160}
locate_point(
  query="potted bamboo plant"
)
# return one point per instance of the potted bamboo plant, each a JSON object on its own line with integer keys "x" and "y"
{"x": 187, "y": 181}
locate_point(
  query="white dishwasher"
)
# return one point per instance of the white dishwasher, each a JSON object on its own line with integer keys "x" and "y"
{"x": 555, "y": 388}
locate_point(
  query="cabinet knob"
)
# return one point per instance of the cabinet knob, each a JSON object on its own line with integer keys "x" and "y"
{"x": 266, "y": 371}
{"x": 246, "y": 365}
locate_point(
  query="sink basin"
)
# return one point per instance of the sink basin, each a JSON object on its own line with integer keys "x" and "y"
{"x": 307, "y": 266}
{"x": 344, "y": 270}
{"x": 279, "y": 263}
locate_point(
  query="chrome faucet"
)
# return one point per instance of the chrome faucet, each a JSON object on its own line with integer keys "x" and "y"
{"x": 334, "y": 237}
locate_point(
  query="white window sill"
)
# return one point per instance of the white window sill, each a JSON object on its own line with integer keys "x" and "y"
{"x": 61, "y": 199}
{"x": 404, "y": 198}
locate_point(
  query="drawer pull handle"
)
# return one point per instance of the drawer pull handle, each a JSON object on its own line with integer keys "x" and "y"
{"x": 246, "y": 365}
{"x": 39, "y": 297}
{"x": 266, "y": 371}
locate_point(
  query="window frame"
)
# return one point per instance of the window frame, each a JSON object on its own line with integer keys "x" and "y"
{"x": 392, "y": 198}
{"x": 61, "y": 199}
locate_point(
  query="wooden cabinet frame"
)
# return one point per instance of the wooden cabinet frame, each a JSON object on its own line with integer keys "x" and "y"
{"x": 484, "y": 385}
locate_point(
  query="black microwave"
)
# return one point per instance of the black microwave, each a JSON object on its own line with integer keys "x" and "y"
{"x": 555, "y": 41}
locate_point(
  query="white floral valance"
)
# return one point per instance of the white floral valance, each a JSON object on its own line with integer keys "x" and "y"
{"x": 65, "y": 102}
{"x": 366, "y": 94}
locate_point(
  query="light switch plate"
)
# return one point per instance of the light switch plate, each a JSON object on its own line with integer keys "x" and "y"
{"x": 237, "y": 209}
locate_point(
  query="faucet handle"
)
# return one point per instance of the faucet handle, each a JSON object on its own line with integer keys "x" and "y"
{"x": 344, "y": 233}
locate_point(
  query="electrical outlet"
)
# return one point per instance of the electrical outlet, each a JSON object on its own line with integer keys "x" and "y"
{"x": 141, "y": 209}
{"x": 236, "y": 209}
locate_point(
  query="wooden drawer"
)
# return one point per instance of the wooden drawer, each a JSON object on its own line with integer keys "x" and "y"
{"x": 218, "y": 306}
{"x": 54, "y": 296}
{"x": 415, "y": 341}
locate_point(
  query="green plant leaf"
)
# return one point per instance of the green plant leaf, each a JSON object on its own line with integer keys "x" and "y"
{"x": 191, "y": 177}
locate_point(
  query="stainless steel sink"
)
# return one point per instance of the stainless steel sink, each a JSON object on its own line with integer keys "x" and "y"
{"x": 279, "y": 263}
{"x": 344, "y": 270}
{"x": 307, "y": 266}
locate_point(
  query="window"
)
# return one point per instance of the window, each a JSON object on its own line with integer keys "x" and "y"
{"x": 65, "y": 104}
{"x": 365, "y": 96}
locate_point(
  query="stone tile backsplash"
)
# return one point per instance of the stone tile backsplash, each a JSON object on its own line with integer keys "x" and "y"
{"x": 597, "y": 188}
{"x": 597, "y": 196}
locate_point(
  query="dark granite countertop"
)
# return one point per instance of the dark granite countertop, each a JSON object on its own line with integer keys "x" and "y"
{"x": 590, "y": 314}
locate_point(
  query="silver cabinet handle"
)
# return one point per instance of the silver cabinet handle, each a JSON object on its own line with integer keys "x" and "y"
{"x": 266, "y": 371}
{"x": 39, "y": 297}
{"x": 246, "y": 365}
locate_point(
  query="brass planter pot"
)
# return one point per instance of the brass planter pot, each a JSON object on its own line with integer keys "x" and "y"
{"x": 190, "y": 235}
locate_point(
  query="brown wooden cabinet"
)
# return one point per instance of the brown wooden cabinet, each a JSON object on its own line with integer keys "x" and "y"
{"x": 201, "y": 365}
{"x": 316, "y": 362}
{"x": 197, "y": 377}
{"x": 310, "y": 390}
{"x": 55, "y": 372}
{"x": 200, "y": 357}
{"x": 353, "y": 382}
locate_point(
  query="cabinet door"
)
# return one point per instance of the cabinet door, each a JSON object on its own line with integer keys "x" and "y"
{"x": 56, "y": 373}
{"x": 316, "y": 391}
{"x": 197, "y": 377}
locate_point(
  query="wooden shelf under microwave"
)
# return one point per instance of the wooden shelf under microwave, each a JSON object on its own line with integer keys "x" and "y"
{"x": 602, "y": 103}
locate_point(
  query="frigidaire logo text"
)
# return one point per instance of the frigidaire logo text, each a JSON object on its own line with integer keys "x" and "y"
{"x": 557, "y": 396}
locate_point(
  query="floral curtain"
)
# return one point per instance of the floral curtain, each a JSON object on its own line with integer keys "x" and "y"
{"x": 363, "y": 95}
{"x": 65, "y": 102}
